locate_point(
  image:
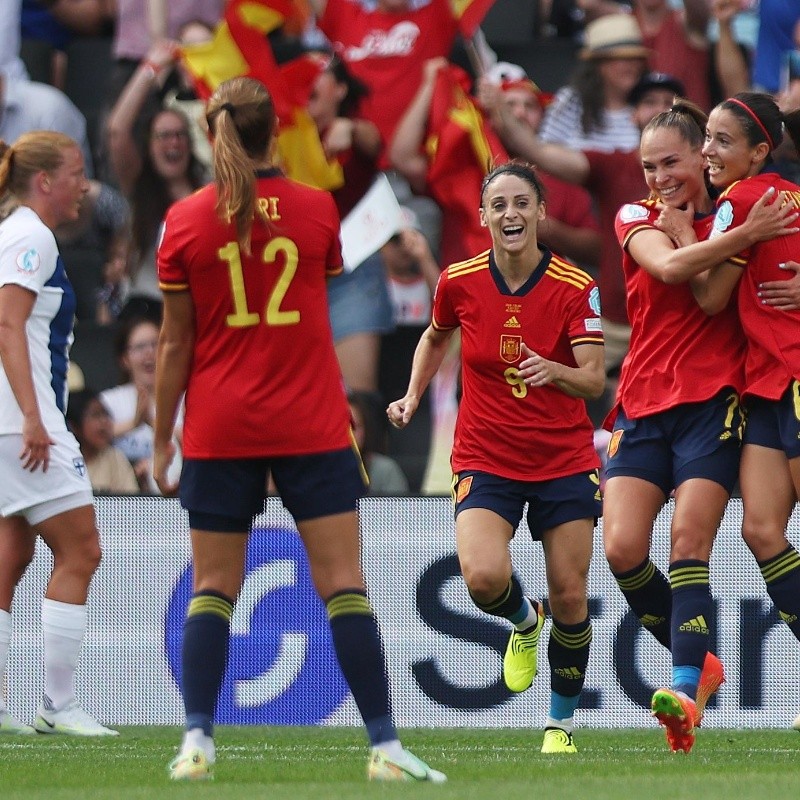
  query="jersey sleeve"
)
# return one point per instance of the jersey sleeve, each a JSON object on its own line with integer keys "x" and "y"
{"x": 28, "y": 254}
{"x": 172, "y": 275}
{"x": 443, "y": 315}
{"x": 584, "y": 322}
{"x": 732, "y": 210}
{"x": 630, "y": 219}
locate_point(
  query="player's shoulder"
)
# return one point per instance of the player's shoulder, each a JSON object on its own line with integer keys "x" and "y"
{"x": 639, "y": 211}
{"x": 560, "y": 269}
{"x": 200, "y": 200}
{"x": 471, "y": 266}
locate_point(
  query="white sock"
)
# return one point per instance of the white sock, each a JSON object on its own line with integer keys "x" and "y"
{"x": 195, "y": 738}
{"x": 5, "y": 643}
{"x": 532, "y": 619}
{"x": 392, "y": 748}
{"x": 63, "y": 628}
{"x": 565, "y": 724}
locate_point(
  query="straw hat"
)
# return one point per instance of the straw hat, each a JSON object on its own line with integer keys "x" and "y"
{"x": 613, "y": 36}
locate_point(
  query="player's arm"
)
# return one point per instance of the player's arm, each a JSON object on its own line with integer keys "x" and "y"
{"x": 428, "y": 357}
{"x": 586, "y": 380}
{"x": 16, "y": 305}
{"x": 173, "y": 361}
{"x": 766, "y": 220}
{"x": 782, "y": 294}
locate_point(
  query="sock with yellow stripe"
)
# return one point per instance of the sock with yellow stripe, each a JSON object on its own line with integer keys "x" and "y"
{"x": 782, "y": 576}
{"x": 691, "y": 613}
{"x": 568, "y": 655}
{"x": 648, "y": 593}
{"x": 359, "y": 650}
{"x": 205, "y": 655}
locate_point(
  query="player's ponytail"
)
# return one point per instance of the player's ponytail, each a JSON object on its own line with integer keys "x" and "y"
{"x": 242, "y": 120}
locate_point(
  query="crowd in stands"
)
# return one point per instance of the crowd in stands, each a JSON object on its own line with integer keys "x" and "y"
{"x": 570, "y": 94}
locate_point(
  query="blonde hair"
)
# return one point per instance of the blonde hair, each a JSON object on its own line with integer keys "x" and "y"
{"x": 241, "y": 118}
{"x": 33, "y": 152}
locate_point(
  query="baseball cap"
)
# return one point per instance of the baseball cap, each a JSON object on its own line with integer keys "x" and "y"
{"x": 655, "y": 80}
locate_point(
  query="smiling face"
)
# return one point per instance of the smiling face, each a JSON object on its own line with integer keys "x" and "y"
{"x": 139, "y": 358}
{"x": 524, "y": 105}
{"x": 511, "y": 209}
{"x": 96, "y": 428}
{"x": 673, "y": 167}
{"x": 170, "y": 149}
{"x": 67, "y": 186}
{"x": 729, "y": 154}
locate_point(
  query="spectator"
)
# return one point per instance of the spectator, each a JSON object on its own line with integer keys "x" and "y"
{"x": 30, "y": 106}
{"x": 593, "y": 112}
{"x": 152, "y": 175}
{"x": 132, "y": 402}
{"x": 385, "y": 475}
{"x": 90, "y": 422}
{"x": 12, "y": 66}
{"x": 358, "y": 301}
{"x": 778, "y": 35}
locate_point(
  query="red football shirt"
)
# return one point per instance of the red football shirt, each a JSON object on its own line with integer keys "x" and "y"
{"x": 773, "y": 336}
{"x": 678, "y": 354}
{"x": 264, "y": 377}
{"x": 387, "y": 51}
{"x": 505, "y": 427}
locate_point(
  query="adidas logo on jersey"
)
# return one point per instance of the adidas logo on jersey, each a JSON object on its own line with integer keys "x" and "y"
{"x": 512, "y": 322}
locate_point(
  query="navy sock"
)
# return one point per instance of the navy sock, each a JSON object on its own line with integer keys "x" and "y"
{"x": 648, "y": 593}
{"x": 359, "y": 650}
{"x": 782, "y": 576}
{"x": 508, "y": 604}
{"x": 691, "y": 613}
{"x": 204, "y": 656}
{"x": 568, "y": 654}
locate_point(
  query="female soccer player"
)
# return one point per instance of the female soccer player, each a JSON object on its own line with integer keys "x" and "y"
{"x": 532, "y": 352}
{"x": 44, "y": 486}
{"x": 742, "y": 132}
{"x": 676, "y": 421}
{"x": 242, "y": 265}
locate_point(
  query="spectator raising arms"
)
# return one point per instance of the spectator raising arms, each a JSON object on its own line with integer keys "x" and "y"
{"x": 44, "y": 489}
{"x": 262, "y": 245}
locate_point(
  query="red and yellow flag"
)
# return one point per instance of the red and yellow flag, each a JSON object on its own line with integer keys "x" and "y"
{"x": 470, "y": 14}
{"x": 461, "y": 149}
{"x": 240, "y": 48}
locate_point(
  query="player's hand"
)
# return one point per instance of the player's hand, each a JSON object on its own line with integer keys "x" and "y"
{"x": 36, "y": 443}
{"x": 772, "y": 215}
{"x": 676, "y": 222}
{"x": 163, "y": 456}
{"x": 535, "y": 370}
{"x": 784, "y": 295}
{"x": 400, "y": 411}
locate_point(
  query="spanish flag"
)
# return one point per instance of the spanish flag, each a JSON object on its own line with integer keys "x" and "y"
{"x": 470, "y": 14}
{"x": 461, "y": 148}
{"x": 240, "y": 48}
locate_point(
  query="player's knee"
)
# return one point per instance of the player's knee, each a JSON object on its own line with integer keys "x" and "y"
{"x": 763, "y": 540}
{"x": 621, "y": 557}
{"x": 484, "y": 584}
{"x": 568, "y": 601}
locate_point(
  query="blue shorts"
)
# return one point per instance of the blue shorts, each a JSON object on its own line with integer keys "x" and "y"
{"x": 359, "y": 301}
{"x": 550, "y": 503}
{"x": 692, "y": 440}
{"x": 225, "y": 494}
{"x": 775, "y": 423}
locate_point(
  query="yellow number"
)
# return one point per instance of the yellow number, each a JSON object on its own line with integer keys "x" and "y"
{"x": 274, "y": 315}
{"x": 733, "y": 413}
{"x": 518, "y": 386}
{"x": 242, "y": 317}
{"x": 796, "y": 398}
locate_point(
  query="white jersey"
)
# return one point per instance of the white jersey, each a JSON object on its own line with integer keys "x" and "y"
{"x": 29, "y": 258}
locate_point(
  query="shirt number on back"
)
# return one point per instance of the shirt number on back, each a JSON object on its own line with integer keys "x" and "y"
{"x": 242, "y": 317}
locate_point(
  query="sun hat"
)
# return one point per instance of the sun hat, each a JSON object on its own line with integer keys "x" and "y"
{"x": 613, "y": 36}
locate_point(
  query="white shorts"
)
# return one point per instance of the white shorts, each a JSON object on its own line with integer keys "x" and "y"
{"x": 38, "y": 495}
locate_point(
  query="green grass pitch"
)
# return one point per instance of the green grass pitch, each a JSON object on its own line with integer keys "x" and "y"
{"x": 320, "y": 763}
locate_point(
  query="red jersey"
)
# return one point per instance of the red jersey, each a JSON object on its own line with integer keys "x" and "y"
{"x": 614, "y": 179}
{"x": 678, "y": 354}
{"x": 386, "y": 51}
{"x": 505, "y": 427}
{"x": 264, "y": 379}
{"x": 773, "y": 335}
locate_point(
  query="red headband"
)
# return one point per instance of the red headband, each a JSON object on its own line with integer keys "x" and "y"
{"x": 755, "y": 119}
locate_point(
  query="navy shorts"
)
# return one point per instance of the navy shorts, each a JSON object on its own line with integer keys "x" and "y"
{"x": 775, "y": 423}
{"x": 692, "y": 440}
{"x": 225, "y": 494}
{"x": 550, "y": 503}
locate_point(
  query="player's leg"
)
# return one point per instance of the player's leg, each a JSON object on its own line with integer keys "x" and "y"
{"x": 17, "y": 545}
{"x": 488, "y": 510}
{"x": 325, "y": 512}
